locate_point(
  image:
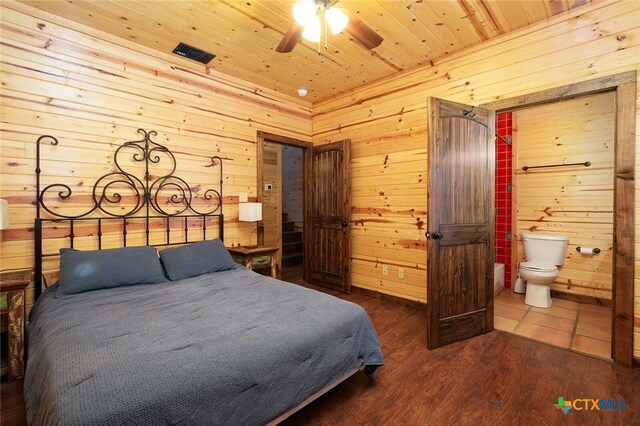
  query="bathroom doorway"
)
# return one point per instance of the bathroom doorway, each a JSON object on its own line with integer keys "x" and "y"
{"x": 554, "y": 197}
{"x": 621, "y": 100}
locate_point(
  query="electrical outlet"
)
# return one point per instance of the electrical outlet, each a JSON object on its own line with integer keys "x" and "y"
{"x": 401, "y": 273}
{"x": 243, "y": 197}
{"x": 385, "y": 270}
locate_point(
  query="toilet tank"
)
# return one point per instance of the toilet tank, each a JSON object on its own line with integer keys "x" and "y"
{"x": 545, "y": 247}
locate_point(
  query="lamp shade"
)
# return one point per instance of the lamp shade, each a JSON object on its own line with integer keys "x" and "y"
{"x": 4, "y": 214}
{"x": 336, "y": 19}
{"x": 304, "y": 12}
{"x": 312, "y": 30}
{"x": 249, "y": 212}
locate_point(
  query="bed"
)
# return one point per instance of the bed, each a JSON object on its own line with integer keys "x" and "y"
{"x": 176, "y": 339}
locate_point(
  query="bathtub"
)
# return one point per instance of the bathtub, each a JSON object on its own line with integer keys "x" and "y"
{"x": 498, "y": 277}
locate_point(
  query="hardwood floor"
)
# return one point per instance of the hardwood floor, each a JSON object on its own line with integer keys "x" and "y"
{"x": 12, "y": 409}
{"x": 493, "y": 379}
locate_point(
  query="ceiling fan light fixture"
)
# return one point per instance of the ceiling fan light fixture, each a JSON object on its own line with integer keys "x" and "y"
{"x": 336, "y": 19}
{"x": 305, "y": 12}
{"x": 314, "y": 19}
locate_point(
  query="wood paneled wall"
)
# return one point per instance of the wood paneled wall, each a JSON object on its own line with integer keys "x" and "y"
{"x": 576, "y": 202}
{"x": 387, "y": 123}
{"x": 92, "y": 91}
{"x": 292, "y": 182}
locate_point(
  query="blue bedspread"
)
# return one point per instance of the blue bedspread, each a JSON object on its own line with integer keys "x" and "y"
{"x": 231, "y": 347}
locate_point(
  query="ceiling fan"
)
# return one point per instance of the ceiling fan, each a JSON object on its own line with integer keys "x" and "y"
{"x": 315, "y": 17}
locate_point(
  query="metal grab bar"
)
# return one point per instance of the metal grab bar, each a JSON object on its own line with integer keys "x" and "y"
{"x": 586, "y": 164}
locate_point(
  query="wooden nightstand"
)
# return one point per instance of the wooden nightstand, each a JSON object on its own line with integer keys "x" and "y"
{"x": 12, "y": 313}
{"x": 257, "y": 258}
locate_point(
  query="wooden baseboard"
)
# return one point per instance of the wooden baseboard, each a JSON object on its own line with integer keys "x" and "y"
{"x": 395, "y": 299}
{"x": 589, "y": 300}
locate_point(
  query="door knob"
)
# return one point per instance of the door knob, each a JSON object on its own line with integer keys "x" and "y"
{"x": 435, "y": 235}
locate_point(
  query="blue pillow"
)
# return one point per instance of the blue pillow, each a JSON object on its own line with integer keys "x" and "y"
{"x": 82, "y": 271}
{"x": 196, "y": 259}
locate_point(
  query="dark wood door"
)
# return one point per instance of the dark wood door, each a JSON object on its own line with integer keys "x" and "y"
{"x": 461, "y": 211}
{"x": 328, "y": 215}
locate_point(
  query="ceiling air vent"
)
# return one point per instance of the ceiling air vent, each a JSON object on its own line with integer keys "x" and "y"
{"x": 193, "y": 53}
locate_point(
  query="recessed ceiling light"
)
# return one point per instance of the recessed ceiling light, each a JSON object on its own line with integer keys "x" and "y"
{"x": 302, "y": 92}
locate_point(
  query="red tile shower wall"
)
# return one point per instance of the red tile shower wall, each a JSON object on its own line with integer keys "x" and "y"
{"x": 503, "y": 195}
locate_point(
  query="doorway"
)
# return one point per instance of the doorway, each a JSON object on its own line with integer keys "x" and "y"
{"x": 624, "y": 87}
{"x": 326, "y": 189}
{"x": 292, "y": 172}
{"x": 280, "y": 189}
{"x": 566, "y": 190}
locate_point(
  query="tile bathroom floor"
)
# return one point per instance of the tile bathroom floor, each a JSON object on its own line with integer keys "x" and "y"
{"x": 575, "y": 326}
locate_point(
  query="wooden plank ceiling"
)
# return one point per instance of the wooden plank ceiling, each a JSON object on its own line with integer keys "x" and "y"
{"x": 244, "y": 33}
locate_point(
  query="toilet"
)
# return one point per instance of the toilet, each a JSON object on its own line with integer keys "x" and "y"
{"x": 543, "y": 254}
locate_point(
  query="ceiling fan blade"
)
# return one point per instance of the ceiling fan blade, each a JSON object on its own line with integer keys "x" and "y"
{"x": 290, "y": 39}
{"x": 363, "y": 33}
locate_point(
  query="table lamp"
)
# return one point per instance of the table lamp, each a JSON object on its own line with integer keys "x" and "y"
{"x": 250, "y": 212}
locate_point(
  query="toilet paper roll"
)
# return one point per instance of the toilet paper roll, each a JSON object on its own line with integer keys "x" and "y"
{"x": 587, "y": 251}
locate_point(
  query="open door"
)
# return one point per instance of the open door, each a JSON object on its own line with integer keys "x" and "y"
{"x": 328, "y": 215}
{"x": 461, "y": 220}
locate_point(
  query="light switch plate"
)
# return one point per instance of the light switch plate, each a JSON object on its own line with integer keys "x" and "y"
{"x": 268, "y": 187}
{"x": 243, "y": 197}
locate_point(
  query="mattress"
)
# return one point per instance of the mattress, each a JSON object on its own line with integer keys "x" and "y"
{"x": 231, "y": 347}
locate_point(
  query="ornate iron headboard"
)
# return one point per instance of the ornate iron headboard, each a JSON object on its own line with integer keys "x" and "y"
{"x": 145, "y": 200}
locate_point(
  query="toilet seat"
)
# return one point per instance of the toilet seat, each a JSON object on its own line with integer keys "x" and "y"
{"x": 538, "y": 266}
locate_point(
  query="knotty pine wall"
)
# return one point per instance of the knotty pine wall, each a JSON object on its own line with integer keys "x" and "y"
{"x": 576, "y": 202}
{"x": 92, "y": 91}
{"x": 387, "y": 123}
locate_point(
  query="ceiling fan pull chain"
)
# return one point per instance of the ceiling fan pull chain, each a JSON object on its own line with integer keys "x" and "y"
{"x": 326, "y": 33}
